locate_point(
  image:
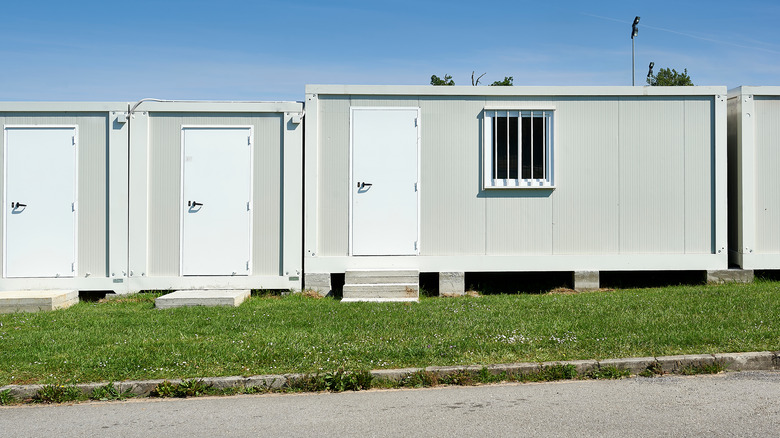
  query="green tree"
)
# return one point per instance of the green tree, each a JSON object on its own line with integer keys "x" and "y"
{"x": 507, "y": 82}
{"x": 669, "y": 77}
{"x": 435, "y": 80}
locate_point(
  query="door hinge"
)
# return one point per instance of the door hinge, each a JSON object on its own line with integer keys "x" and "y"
{"x": 72, "y": 206}
{"x": 415, "y": 122}
{"x": 73, "y": 139}
{"x": 415, "y": 245}
{"x": 415, "y": 187}
{"x": 249, "y": 141}
{"x": 247, "y": 265}
{"x": 73, "y": 267}
{"x": 248, "y": 206}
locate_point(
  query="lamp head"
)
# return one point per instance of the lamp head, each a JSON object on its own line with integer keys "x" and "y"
{"x": 634, "y": 28}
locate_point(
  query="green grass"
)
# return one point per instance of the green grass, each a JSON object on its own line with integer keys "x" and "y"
{"x": 126, "y": 338}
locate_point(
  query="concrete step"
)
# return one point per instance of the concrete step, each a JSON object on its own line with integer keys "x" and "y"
{"x": 372, "y": 291}
{"x": 213, "y": 297}
{"x": 381, "y": 277}
{"x": 37, "y": 300}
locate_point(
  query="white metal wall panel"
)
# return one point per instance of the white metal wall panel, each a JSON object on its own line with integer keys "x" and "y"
{"x": 92, "y": 189}
{"x": 652, "y": 154}
{"x": 767, "y": 174}
{"x": 699, "y": 182}
{"x": 165, "y": 179}
{"x": 586, "y": 199}
{"x": 333, "y": 177}
{"x": 452, "y": 211}
{"x": 518, "y": 223}
{"x": 40, "y": 198}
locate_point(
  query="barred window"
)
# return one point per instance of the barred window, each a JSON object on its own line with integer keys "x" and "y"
{"x": 518, "y": 148}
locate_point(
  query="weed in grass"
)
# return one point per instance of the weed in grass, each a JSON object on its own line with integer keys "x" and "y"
{"x": 6, "y": 398}
{"x": 187, "y": 388}
{"x": 652, "y": 370}
{"x": 460, "y": 378}
{"x": 711, "y": 368}
{"x": 110, "y": 392}
{"x": 419, "y": 379}
{"x": 59, "y": 394}
{"x": 609, "y": 372}
{"x": 342, "y": 380}
{"x": 551, "y": 373}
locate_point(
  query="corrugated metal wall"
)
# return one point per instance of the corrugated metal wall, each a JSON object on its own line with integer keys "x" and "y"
{"x": 165, "y": 187}
{"x": 633, "y": 175}
{"x": 92, "y": 183}
{"x": 767, "y": 177}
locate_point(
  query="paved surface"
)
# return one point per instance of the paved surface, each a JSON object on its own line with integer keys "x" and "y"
{"x": 731, "y": 404}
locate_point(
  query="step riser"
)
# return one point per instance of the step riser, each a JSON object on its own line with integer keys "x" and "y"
{"x": 381, "y": 277}
{"x": 381, "y": 291}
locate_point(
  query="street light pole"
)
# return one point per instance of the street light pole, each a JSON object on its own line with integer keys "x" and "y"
{"x": 634, "y": 32}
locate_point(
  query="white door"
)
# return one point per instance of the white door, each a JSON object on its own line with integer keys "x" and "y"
{"x": 40, "y": 201}
{"x": 216, "y": 195}
{"x": 384, "y": 181}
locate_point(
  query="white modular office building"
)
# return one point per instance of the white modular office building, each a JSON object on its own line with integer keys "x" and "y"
{"x": 215, "y": 195}
{"x": 64, "y": 189}
{"x": 754, "y": 180}
{"x": 467, "y": 179}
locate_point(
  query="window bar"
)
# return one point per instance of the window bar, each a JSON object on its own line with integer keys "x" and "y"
{"x": 544, "y": 143}
{"x": 519, "y": 146}
{"x": 495, "y": 146}
{"x": 507, "y": 145}
{"x": 532, "y": 145}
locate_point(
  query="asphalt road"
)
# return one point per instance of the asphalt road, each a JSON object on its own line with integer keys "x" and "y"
{"x": 732, "y": 404}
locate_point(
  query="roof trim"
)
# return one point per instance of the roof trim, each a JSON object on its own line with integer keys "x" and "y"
{"x": 430, "y": 90}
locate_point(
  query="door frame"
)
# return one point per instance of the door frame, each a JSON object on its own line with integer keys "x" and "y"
{"x": 251, "y": 129}
{"x": 75, "y": 129}
{"x": 352, "y": 110}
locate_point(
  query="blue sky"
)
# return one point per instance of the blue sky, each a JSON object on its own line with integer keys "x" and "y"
{"x": 268, "y": 50}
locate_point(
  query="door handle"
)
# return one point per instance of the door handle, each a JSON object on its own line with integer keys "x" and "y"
{"x": 194, "y": 204}
{"x": 18, "y": 205}
{"x": 363, "y": 185}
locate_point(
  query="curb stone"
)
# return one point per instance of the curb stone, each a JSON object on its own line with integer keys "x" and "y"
{"x": 749, "y": 361}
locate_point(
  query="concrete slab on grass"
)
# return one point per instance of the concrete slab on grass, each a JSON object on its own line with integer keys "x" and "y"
{"x": 185, "y": 298}
{"x": 37, "y": 300}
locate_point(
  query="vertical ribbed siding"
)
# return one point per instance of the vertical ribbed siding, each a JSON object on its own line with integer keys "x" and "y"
{"x": 452, "y": 213}
{"x": 517, "y": 222}
{"x": 92, "y": 182}
{"x": 699, "y": 193}
{"x": 652, "y": 166}
{"x": 767, "y": 177}
{"x": 267, "y": 198}
{"x": 333, "y": 177}
{"x": 586, "y": 200}
{"x": 165, "y": 188}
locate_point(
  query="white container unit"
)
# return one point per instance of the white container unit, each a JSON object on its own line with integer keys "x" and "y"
{"x": 64, "y": 190}
{"x": 458, "y": 179}
{"x": 754, "y": 180}
{"x": 215, "y": 195}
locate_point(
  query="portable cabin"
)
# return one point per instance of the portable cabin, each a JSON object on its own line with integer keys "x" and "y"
{"x": 754, "y": 180}
{"x": 408, "y": 179}
{"x": 215, "y": 195}
{"x": 64, "y": 190}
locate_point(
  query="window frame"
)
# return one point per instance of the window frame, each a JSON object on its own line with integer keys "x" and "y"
{"x": 548, "y": 115}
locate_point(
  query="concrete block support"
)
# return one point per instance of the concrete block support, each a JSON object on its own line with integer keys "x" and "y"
{"x": 586, "y": 280}
{"x": 452, "y": 284}
{"x": 730, "y": 276}
{"x": 319, "y": 283}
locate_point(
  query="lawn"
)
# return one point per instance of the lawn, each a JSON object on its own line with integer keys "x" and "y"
{"x": 125, "y": 338}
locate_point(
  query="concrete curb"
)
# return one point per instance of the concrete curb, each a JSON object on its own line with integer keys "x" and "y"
{"x": 751, "y": 361}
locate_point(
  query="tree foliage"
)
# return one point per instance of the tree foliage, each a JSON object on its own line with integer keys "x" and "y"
{"x": 670, "y": 77}
{"x": 435, "y": 80}
{"x": 507, "y": 82}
